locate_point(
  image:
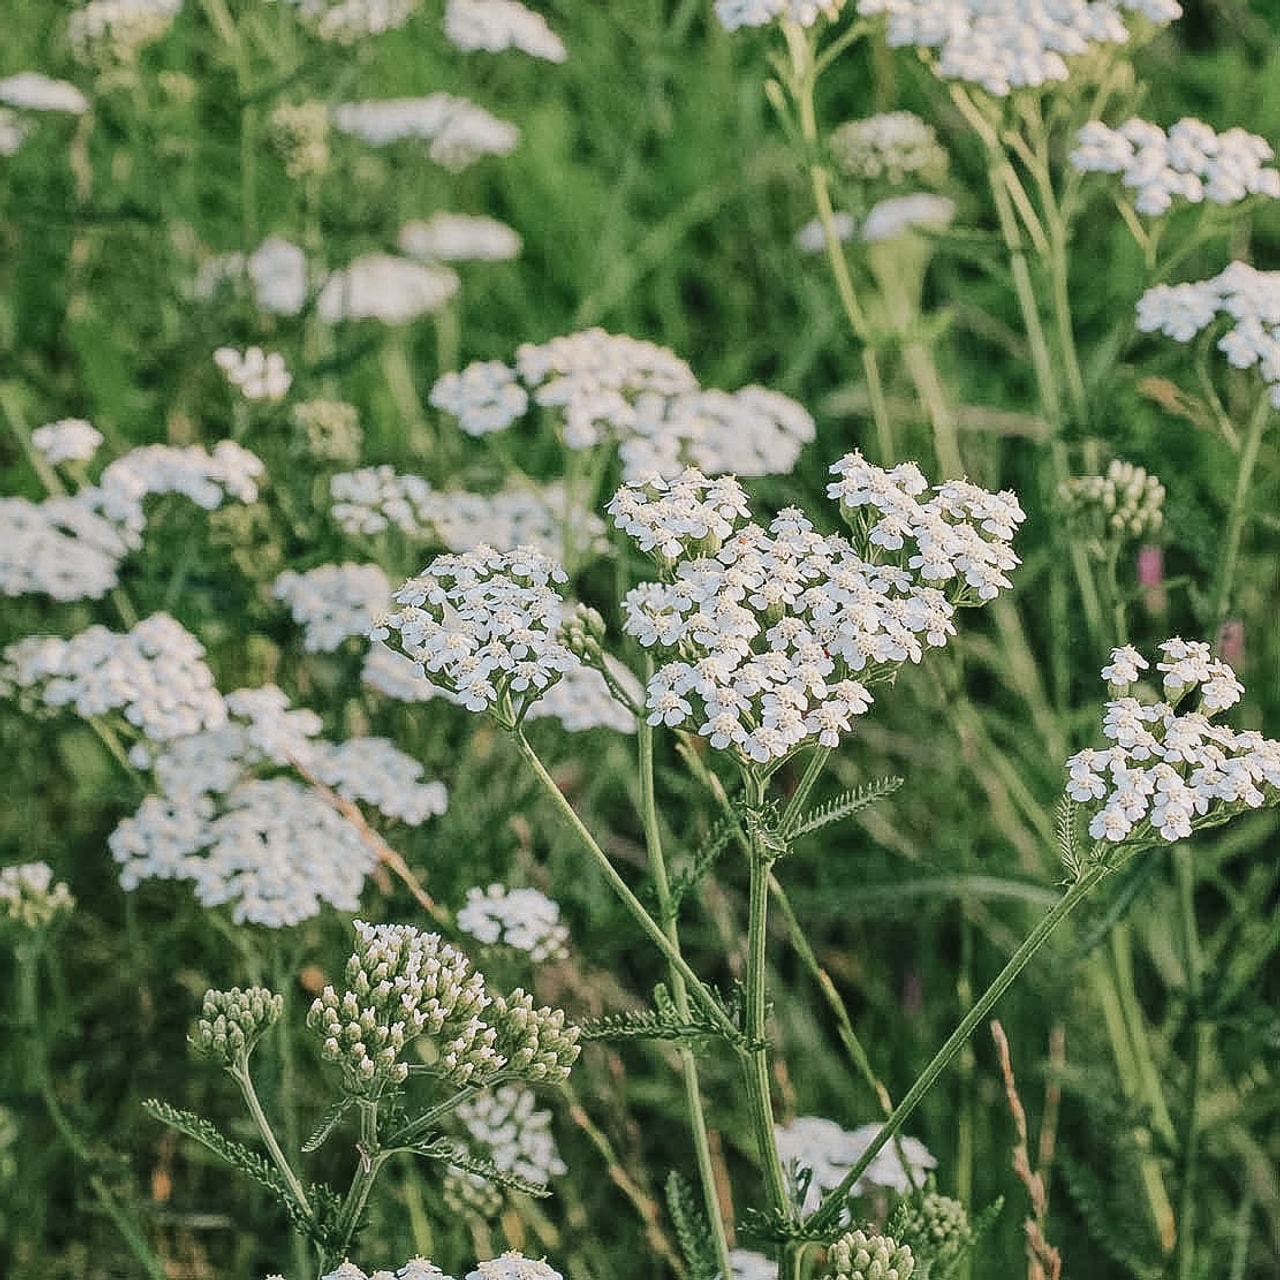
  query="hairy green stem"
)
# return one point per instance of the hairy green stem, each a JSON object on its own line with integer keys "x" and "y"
{"x": 240, "y": 1074}
{"x": 828, "y": 1212}
{"x": 633, "y": 904}
{"x": 1249, "y": 450}
{"x": 679, "y": 995}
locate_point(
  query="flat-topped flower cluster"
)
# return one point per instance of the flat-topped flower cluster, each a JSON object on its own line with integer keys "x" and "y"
{"x": 776, "y": 633}
{"x": 1169, "y": 771}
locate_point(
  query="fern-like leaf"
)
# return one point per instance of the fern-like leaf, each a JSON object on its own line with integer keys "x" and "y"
{"x": 1065, "y": 826}
{"x": 328, "y": 1123}
{"x": 692, "y": 1229}
{"x": 843, "y": 806}
{"x": 723, "y": 830}
{"x": 663, "y": 1022}
{"x": 453, "y": 1153}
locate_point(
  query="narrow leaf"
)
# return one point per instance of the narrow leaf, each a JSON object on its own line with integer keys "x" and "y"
{"x": 843, "y": 806}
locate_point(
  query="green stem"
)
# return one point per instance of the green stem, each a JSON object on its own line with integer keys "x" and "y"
{"x": 813, "y": 770}
{"x": 1236, "y": 520}
{"x": 633, "y": 904}
{"x": 240, "y": 1074}
{"x": 371, "y": 1161}
{"x": 755, "y": 1054}
{"x": 679, "y": 995}
{"x": 1200, "y": 1033}
{"x": 283, "y": 984}
{"x": 924, "y": 374}
{"x": 828, "y": 1211}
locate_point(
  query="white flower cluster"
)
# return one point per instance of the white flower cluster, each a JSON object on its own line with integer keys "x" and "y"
{"x": 495, "y": 25}
{"x": 333, "y": 602}
{"x": 485, "y": 626}
{"x": 812, "y": 237}
{"x": 346, "y": 21}
{"x": 1250, "y": 297}
{"x": 1126, "y": 502}
{"x": 605, "y": 388}
{"x": 380, "y": 286}
{"x": 70, "y": 548}
{"x": 520, "y": 918}
{"x": 1190, "y": 162}
{"x": 459, "y": 237}
{"x": 821, "y": 1145}
{"x": 271, "y": 847}
{"x": 458, "y": 131}
{"x": 1167, "y": 771}
{"x": 890, "y": 147}
{"x": 1009, "y": 44}
{"x": 256, "y": 374}
{"x": 29, "y": 897}
{"x": 116, "y": 30}
{"x": 769, "y": 627}
{"x": 516, "y": 1137}
{"x": 375, "y": 499}
{"x": 510, "y": 1266}
{"x": 70, "y": 440}
{"x": 734, "y": 14}
{"x": 748, "y": 1265}
{"x": 31, "y": 91}
{"x": 154, "y": 675}
{"x": 277, "y": 270}
{"x": 899, "y": 214}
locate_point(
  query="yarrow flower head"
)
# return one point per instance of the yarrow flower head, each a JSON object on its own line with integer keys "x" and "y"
{"x": 1004, "y": 45}
{"x": 32, "y": 91}
{"x": 30, "y": 897}
{"x": 1125, "y": 504}
{"x": 514, "y": 1266}
{"x": 70, "y": 440}
{"x": 523, "y": 919}
{"x": 829, "y": 1152}
{"x": 232, "y": 1022}
{"x": 415, "y": 1269}
{"x": 107, "y": 31}
{"x": 346, "y": 21}
{"x": 889, "y": 147}
{"x": 776, "y": 634}
{"x": 611, "y": 389}
{"x": 457, "y": 237}
{"x": 485, "y": 626}
{"x": 859, "y": 1256}
{"x": 379, "y": 286}
{"x": 1251, "y": 298}
{"x": 734, "y": 14}
{"x": 458, "y": 132}
{"x": 333, "y": 602}
{"x": 936, "y": 1227}
{"x": 898, "y": 215}
{"x": 256, "y": 374}
{"x": 1191, "y": 162}
{"x": 329, "y": 430}
{"x": 495, "y": 25}
{"x": 300, "y": 133}
{"x": 1169, "y": 770}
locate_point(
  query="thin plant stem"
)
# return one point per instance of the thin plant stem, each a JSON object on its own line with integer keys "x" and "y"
{"x": 1185, "y": 1255}
{"x": 827, "y": 1213}
{"x": 679, "y": 993}
{"x": 1249, "y": 450}
{"x": 240, "y": 1074}
{"x": 282, "y": 975}
{"x": 633, "y": 904}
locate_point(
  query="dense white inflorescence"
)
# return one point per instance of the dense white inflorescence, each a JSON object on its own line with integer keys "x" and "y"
{"x": 1008, "y": 44}
{"x": 495, "y": 25}
{"x": 485, "y": 626}
{"x": 734, "y": 14}
{"x": 116, "y": 30}
{"x": 256, "y": 374}
{"x": 154, "y": 675}
{"x": 1190, "y": 162}
{"x": 1251, "y": 298}
{"x": 514, "y": 1136}
{"x": 1125, "y": 502}
{"x": 889, "y": 147}
{"x": 812, "y": 237}
{"x": 346, "y": 21}
{"x": 333, "y": 602}
{"x": 30, "y": 897}
{"x": 821, "y": 1145}
{"x": 607, "y": 389}
{"x": 458, "y": 131}
{"x": 278, "y": 270}
{"x": 374, "y": 499}
{"x": 458, "y": 237}
{"x": 270, "y": 847}
{"x": 748, "y": 1265}
{"x": 31, "y": 91}
{"x": 513, "y": 1266}
{"x": 1170, "y": 770}
{"x": 70, "y": 440}
{"x": 524, "y": 919}
{"x": 899, "y": 214}
{"x": 775, "y": 634}
{"x": 380, "y": 286}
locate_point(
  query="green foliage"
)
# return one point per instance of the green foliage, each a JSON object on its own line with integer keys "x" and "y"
{"x": 692, "y": 1229}
{"x": 845, "y": 805}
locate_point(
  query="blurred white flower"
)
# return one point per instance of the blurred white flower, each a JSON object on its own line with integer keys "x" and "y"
{"x": 891, "y": 218}
{"x": 459, "y": 132}
{"x": 524, "y": 919}
{"x": 32, "y": 91}
{"x": 116, "y": 30}
{"x": 378, "y": 286}
{"x": 456, "y": 237}
{"x": 494, "y": 25}
{"x": 278, "y": 270}
{"x": 811, "y": 238}
{"x": 346, "y": 21}
{"x": 256, "y": 374}
{"x": 333, "y": 602}
{"x": 70, "y": 440}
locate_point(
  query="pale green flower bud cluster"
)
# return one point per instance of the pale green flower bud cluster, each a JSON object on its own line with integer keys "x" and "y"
{"x": 401, "y": 984}
{"x": 583, "y": 633}
{"x": 889, "y": 147}
{"x": 1124, "y": 503}
{"x": 232, "y": 1022}
{"x": 301, "y": 135}
{"x": 536, "y": 1043}
{"x": 29, "y": 896}
{"x": 935, "y": 1226}
{"x": 329, "y": 430}
{"x": 858, "y": 1256}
